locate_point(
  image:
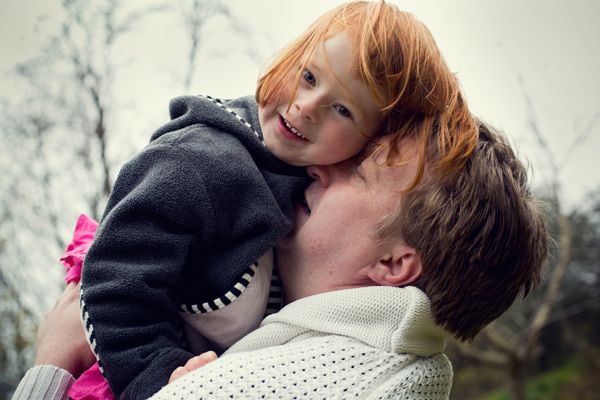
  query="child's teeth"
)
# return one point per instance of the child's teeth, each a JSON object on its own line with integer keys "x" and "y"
{"x": 291, "y": 128}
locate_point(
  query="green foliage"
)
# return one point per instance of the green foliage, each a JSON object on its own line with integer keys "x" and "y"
{"x": 496, "y": 395}
{"x": 577, "y": 381}
{"x": 469, "y": 382}
{"x": 547, "y": 386}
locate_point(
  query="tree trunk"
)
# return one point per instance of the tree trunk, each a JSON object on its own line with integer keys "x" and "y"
{"x": 516, "y": 382}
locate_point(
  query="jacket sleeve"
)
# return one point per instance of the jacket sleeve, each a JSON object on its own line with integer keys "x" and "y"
{"x": 157, "y": 212}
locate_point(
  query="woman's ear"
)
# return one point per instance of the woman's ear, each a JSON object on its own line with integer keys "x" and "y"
{"x": 399, "y": 267}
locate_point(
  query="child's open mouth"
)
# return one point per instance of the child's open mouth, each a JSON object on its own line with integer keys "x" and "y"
{"x": 292, "y": 129}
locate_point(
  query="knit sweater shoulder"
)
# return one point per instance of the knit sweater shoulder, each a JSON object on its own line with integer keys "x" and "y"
{"x": 186, "y": 218}
{"x": 365, "y": 343}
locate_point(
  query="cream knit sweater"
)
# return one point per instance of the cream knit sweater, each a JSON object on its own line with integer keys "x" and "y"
{"x": 44, "y": 382}
{"x": 365, "y": 343}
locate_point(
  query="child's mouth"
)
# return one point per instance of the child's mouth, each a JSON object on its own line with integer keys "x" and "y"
{"x": 292, "y": 129}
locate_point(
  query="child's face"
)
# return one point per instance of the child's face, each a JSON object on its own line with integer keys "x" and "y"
{"x": 331, "y": 107}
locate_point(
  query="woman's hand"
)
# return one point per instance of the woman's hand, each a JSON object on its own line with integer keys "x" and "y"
{"x": 192, "y": 364}
{"x": 61, "y": 339}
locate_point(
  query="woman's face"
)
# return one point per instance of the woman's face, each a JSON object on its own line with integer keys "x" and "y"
{"x": 335, "y": 239}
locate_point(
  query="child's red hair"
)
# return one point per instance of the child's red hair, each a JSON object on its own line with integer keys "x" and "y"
{"x": 398, "y": 60}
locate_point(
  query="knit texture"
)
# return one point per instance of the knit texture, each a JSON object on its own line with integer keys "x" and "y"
{"x": 366, "y": 343}
{"x": 44, "y": 382}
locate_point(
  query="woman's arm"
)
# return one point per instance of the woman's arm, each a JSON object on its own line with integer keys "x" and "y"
{"x": 62, "y": 351}
{"x": 61, "y": 339}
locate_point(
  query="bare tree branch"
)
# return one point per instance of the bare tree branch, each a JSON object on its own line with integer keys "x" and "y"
{"x": 488, "y": 358}
{"x": 581, "y": 137}
{"x": 540, "y": 318}
{"x": 498, "y": 346}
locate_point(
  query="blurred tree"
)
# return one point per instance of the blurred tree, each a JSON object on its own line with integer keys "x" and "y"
{"x": 195, "y": 15}
{"x": 62, "y": 148}
{"x": 17, "y": 334}
{"x": 511, "y": 343}
{"x": 55, "y": 162}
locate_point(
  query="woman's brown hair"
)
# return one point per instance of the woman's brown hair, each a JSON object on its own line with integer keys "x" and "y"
{"x": 480, "y": 234}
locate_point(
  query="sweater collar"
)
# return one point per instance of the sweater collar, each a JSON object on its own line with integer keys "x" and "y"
{"x": 397, "y": 320}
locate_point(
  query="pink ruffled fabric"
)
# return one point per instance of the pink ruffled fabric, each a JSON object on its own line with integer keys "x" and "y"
{"x": 82, "y": 238}
{"x": 91, "y": 385}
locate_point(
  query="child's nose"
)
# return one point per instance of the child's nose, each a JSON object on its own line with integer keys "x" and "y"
{"x": 308, "y": 106}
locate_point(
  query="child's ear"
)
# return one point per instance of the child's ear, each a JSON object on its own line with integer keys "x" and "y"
{"x": 399, "y": 267}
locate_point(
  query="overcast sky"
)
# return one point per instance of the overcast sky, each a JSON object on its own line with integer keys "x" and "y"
{"x": 502, "y": 50}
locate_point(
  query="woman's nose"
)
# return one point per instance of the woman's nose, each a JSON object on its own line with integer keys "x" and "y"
{"x": 320, "y": 173}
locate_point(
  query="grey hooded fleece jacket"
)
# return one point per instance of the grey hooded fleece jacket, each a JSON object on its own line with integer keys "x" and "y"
{"x": 187, "y": 216}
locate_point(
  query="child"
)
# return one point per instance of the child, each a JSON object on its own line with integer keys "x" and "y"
{"x": 190, "y": 224}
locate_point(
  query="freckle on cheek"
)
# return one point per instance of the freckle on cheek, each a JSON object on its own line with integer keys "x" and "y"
{"x": 315, "y": 246}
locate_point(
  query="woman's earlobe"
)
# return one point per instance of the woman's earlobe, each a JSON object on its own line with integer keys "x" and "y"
{"x": 399, "y": 268}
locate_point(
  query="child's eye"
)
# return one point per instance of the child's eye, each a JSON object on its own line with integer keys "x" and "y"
{"x": 308, "y": 77}
{"x": 344, "y": 111}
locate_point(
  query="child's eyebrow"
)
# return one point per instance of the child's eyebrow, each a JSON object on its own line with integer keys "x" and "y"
{"x": 313, "y": 66}
{"x": 358, "y": 114}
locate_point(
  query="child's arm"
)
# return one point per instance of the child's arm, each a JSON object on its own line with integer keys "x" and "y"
{"x": 152, "y": 223}
{"x": 192, "y": 364}
{"x": 184, "y": 220}
{"x": 170, "y": 218}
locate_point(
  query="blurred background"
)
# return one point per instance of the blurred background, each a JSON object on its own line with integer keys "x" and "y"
{"x": 84, "y": 83}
